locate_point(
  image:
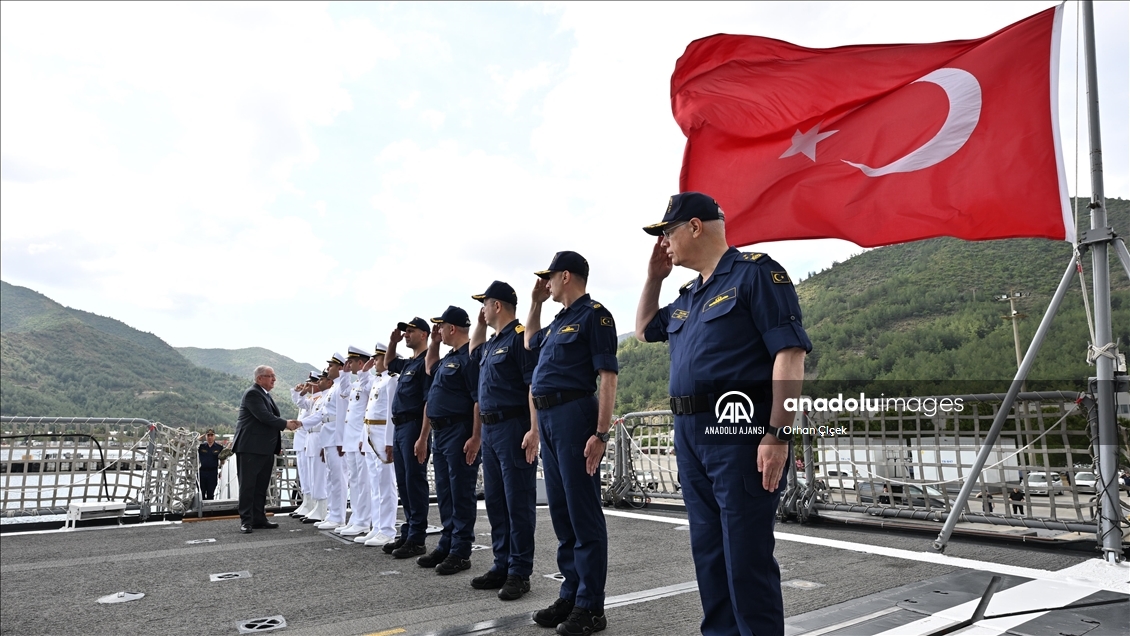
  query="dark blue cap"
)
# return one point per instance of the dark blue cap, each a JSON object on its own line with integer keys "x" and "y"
{"x": 686, "y": 206}
{"x": 498, "y": 290}
{"x": 566, "y": 262}
{"x": 453, "y": 316}
{"x": 416, "y": 322}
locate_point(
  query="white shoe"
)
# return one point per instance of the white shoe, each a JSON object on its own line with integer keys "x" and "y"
{"x": 328, "y": 525}
{"x": 352, "y": 531}
{"x": 365, "y": 537}
{"x": 380, "y": 539}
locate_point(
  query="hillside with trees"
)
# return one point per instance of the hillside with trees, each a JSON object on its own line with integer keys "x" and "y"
{"x": 241, "y": 363}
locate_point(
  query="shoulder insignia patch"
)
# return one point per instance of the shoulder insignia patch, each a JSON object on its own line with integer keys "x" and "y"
{"x": 752, "y": 256}
{"x": 780, "y": 277}
{"x": 569, "y": 329}
{"x": 686, "y": 285}
{"x": 679, "y": 314}
{"x": 606, "y": 321}
{"x": 519, "y": 329}
{"x": 595, "y": 305}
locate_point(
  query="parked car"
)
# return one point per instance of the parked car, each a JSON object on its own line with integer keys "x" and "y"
{"x": 1038, "y": 483}
{"x": 1085, "y": 482}
{"x": 837, "y": 479}
{"x": 900, "y": 495}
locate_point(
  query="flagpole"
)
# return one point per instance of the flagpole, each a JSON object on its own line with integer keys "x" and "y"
{"x": 1100, "y": 236}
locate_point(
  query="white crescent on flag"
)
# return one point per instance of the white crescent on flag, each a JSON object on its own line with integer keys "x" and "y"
{"x": 964, "y": 94}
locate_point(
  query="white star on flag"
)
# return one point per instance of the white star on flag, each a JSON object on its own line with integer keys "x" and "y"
{"x": 805, "y": 143}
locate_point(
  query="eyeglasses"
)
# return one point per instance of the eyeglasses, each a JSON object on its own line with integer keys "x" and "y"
{"x": 667, "y": 232}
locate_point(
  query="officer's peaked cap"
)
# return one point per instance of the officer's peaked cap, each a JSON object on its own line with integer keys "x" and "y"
{"x": 416, "y": 322}
{"x": 566, "y": 262}
{"x": 686, "y": 206}
{"x": 453, "y": 316}
{"x": 498, "y": 290}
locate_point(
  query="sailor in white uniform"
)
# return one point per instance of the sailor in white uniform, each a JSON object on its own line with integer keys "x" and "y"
{"x": 382, "y": 475}
{"x": 355, "y": 445}
{"x": 300, "y": 395}
{"x": 333, "y": 451}
{"x": 319, "y": 473}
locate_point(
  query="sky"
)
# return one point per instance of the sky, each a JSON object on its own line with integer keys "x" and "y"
{"x": 301, "y": 177}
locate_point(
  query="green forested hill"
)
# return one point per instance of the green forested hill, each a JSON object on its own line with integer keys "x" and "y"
{"x": 925, "y": 311}
{"x": 241, "y": 362}
{"x": 57, "y": 361}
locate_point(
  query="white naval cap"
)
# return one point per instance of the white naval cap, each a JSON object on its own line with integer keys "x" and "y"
{"x": 358, "y": 352}
{"x": 336, "y": 358}
{"x": 381, "y": 349}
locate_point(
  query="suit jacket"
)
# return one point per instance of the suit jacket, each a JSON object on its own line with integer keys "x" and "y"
{"x": 259, "y": 427}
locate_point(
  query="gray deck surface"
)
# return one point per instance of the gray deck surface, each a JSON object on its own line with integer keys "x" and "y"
{"x": 51, "y": 581}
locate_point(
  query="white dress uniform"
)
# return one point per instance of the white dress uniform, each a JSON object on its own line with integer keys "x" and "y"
{"x": 356, "y": 460}
{"x": 319, "y": 473}
{"x": 331, "y": 438}
{"x": 382, "y": 475}
{"x": 304, "y": 408}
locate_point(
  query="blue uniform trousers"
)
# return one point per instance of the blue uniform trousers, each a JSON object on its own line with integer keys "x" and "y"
{"x": 574, "y": 501}
{"x": 411, "y": 481}
{"x": 208, "y": 477}
{"x": 455, "y": 489}
{"x": 731, "y": 524}
{"x": 510, "y": 489}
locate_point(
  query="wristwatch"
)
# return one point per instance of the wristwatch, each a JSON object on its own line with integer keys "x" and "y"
{"x": 779, "y": 433}
{"x": 602, "y": 436}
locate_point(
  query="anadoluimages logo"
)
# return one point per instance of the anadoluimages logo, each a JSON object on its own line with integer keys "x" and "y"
{"x": 733, "y": 407}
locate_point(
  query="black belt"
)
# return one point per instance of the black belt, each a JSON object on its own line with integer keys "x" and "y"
{"x": 440, "y": 423}
{"x": 705, "y": 402}
{"x": 494, "y": 417}
{"x": 404, "y": 418}
{"x": 542, "y": 402}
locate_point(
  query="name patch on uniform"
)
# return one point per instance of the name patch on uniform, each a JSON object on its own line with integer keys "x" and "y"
{"x": 501, "y": 350}
{"x": 780, "y": 277}
{"x": 721, "y": 298}
{"x": 569, "y": 329}
{"x": 679, "y": 314}
{"x": 606, "y": 321}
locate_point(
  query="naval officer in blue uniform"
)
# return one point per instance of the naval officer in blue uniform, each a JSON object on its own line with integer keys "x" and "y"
{"x": 450, "y": 416}
{"x": 576, "y": 348}
{"x": 510, "y": 441}
{"x": 410, "y": 450}
{"x": 737, "y": 352}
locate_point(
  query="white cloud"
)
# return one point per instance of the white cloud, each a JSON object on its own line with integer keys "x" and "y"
{"x": 433, "y": 118}
{"x": 519, "y": 83}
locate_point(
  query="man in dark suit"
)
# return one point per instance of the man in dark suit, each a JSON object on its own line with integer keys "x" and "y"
{"x": 257, "y": 441}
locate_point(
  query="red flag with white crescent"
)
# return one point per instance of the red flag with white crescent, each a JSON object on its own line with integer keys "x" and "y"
{"x": 877, "y": 144}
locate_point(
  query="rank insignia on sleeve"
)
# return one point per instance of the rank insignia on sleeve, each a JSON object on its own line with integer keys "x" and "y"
{"x": 679, "y": 314}
{"x": 569, "y": 329}
{"x": 751, "y": 256}
{"x": 780, "y": 277}
{"x": 606, "y": 321}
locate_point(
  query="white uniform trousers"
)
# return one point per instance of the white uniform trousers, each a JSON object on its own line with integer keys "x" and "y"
{"x": 359, "y": 498}
{"x": 382, "y": 483}
{"x": 335, "y": 485}
{"x": 315, "y": 469}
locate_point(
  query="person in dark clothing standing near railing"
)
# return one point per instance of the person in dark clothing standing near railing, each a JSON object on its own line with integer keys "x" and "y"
{"x": 209, "y": 453}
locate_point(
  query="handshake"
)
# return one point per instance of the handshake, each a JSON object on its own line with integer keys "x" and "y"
{"x": 292, "y": 425}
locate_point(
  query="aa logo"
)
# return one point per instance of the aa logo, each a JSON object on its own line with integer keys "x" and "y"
{"x": 734, "y": 407}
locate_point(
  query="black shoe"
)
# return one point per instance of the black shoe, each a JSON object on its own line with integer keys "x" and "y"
{"x": 266, "y": 525}
{"x": 582, "y": 622}
{"x": 309, "y": 520}
{"x": 514, "y": 588}
{"x": 409, "y": 549}
{"x": 245, "y": 528}
{"x": 389, "y": 547}
{"x": 555, "y": 614}
{"x": 490, "y": 581}
{"x": 453, "y": 564}
{"x": 430, "y": 561}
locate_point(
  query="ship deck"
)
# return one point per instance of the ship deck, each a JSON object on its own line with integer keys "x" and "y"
{"x": 839, "y": 580}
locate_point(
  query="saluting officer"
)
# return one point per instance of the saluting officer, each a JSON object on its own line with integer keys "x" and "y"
{"x": 301, "y": 396}
{"x": 410, "y": 452}
{"x": 450, "y": 413}
{"x": 382, "y": 475}
{"x": 358, "y": 379}
{"x": 578, "y": 346}
{"x": 510, "y": 441}
{"x": 332, "y": 453}
{"x": 734, "y": 328}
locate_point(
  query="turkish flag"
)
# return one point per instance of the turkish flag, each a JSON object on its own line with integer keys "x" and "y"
{"x": 877, "y": 144}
